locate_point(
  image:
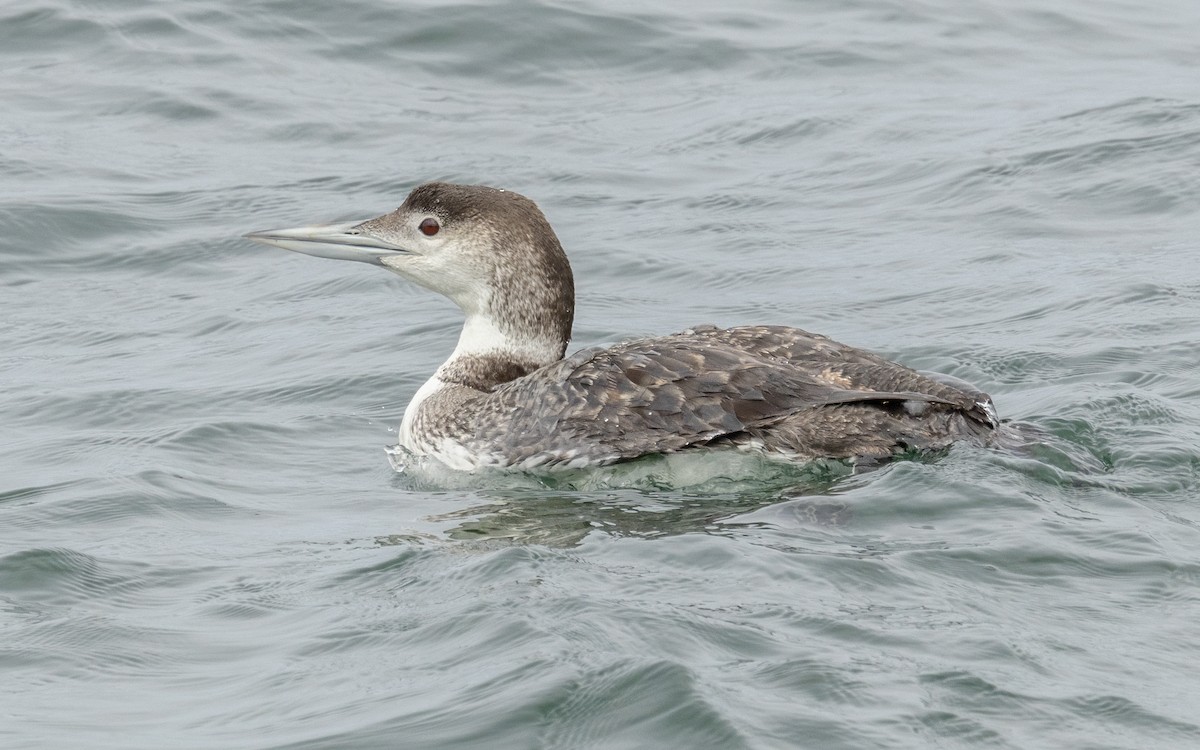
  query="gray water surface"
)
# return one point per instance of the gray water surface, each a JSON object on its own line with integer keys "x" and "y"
{"x": 202, "y": 544}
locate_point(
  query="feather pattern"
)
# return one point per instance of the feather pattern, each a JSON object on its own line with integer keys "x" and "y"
{"x": 779, "y": 389}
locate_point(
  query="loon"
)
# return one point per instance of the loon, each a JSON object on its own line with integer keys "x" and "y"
{"x": 507, "y": 398}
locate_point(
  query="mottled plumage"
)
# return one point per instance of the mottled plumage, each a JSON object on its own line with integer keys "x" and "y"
{"x": 782, "y": 390}
{"x": 505, "y": 397}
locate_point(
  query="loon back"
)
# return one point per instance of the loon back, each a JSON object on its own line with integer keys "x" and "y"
{"x": 781, "y": 390}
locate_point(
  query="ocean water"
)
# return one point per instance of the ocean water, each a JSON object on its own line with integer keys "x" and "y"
{"x": 202, "y": 544}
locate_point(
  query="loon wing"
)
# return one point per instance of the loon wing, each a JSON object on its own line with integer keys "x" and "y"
{"x": 665, "y": 394}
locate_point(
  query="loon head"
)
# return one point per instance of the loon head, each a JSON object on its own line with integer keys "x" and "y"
{"x": 490, "y": 251}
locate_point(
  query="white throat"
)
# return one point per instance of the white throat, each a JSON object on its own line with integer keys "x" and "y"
{"x": 482, "y": 337}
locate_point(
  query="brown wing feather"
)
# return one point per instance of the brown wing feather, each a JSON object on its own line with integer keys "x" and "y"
{"x": 665, "y": 394}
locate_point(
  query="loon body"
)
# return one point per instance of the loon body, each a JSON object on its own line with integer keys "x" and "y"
{"x": 507, "y": 398}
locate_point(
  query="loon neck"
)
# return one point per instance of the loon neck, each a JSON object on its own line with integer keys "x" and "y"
{"x": 489, "y": 354}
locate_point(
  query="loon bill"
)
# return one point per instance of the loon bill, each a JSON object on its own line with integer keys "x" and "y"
{"x": 507, "y": 398}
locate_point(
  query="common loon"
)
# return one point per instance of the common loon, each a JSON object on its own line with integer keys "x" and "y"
{"x": 507, "y": 398}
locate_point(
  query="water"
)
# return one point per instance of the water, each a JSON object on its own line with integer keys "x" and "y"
{"x": 202, "y": 544}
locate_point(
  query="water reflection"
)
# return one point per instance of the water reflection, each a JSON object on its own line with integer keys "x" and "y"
{"x": 646, "y": 498}
{"x": 661, "y": 496}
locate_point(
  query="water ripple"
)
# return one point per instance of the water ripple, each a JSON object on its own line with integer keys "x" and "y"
{"x": 201, "y": 542}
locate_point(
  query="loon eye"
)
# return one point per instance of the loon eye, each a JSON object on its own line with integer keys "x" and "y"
{"x": 429, "y": 227}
